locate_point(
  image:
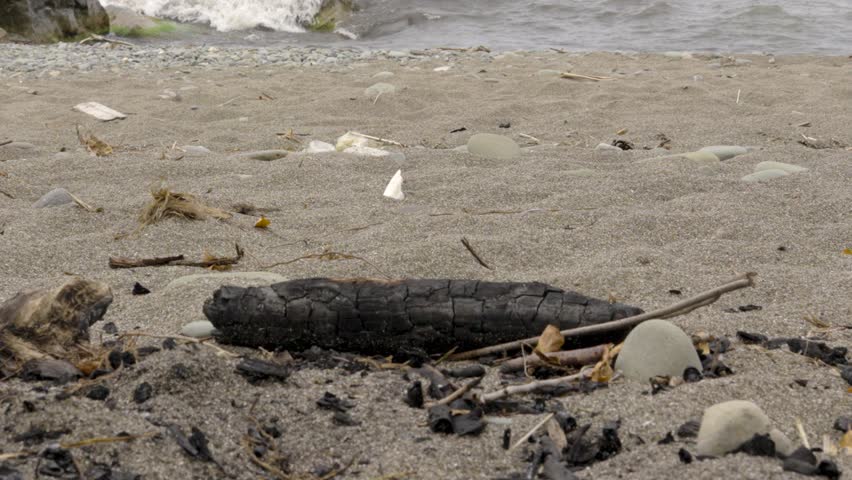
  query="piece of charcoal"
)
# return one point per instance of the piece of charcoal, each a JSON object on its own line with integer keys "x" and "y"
{"x": 802, "y": 460}
{"x": 98, "y": 392}
{"x": 609, "y": 444}
{"x": 689, "y": 429}
{"x": 775, "y": 343}
{"x": 758, "y": 445}
{"x": 256, "y": 370}
{"x": 182, "y": 441}
{"x": 749, "y": 308}
{"x": 669, "y": 438}
{"x": 751, "y": 338}
{"x": 713, "y": 367}
{"x": 272, "y": 430}
{"x": 457, "y": 130}
{"x": 344, "y": 419}
{"x": 844, "y": 424}
{"x": 440, "y": 419}
{"x": 846, "y": 374}
{"x": 146, "y": 351}
{"x": 114, "y": 359}
{"x": 684, "y": 455}
{"x": 469, "y": 371}
{"x": 580, "y": 451}
{"x": 110, "y": 328}
{"x": 552, "y": 467}
{"x": 169, "y": 344}
{"x": 414, "y": 395}
{"x": 566, "y": 421}
{"x": 138, "y": 289}
{"x": 692, "y": 375}
{"x": 330, "y": 401}
{"x": 507, "y": 438}
{"x": 675, "y": 291}
{"x": 180, "y": 371}
{"x": 505, "y": 125}
{"x": 128, "y": 358}
{"x": 58, "y": 371}
{"x": 471, "y": 423}
{"x": 622, "y": 144}
{"x": 101, "y": 471}
{"x": 801, "y": 382}
{"x": 99, "y": 372}
{"x": 9, "y": 473}
{"x": 143, "y": 392}
{"x": 818, "y": 350}
{"x": 198, "y": 440}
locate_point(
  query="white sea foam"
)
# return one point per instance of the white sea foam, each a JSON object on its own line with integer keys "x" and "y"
{"x": 227, "y": 15}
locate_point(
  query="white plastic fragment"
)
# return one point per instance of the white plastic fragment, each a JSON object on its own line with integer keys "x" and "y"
{"x": 317, "y": 146}
{"x": 394, "y": 188}
{"x": 349, "y": 139}
{"x": 101, "y": 112}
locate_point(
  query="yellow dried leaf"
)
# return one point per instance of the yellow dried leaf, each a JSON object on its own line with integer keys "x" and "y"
{"x": 551, "y": 340}
{"x": 846, "y": 442}
{"x": 262, "y": 223}
{"x": 847, "y": 251}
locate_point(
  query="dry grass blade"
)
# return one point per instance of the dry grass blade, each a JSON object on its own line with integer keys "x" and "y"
{"x": 328, "y": 255}
{"x": 93, "y": 144}
{"x": 166, "y": 203}
{"x": 577, "y": 76}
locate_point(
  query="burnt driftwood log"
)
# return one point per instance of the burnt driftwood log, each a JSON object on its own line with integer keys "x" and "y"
{"x": 381, "y": 317}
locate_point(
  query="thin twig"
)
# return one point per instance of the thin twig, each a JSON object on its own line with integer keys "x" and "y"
{"x": 101, "y": 38}
{"x": 7, "y": 194}
{"x": 7, "y": 142}
{"x": 565, "y": 358}
{"x": 378, "y": 139}
{"x": 457, "y": 394}
{"x": 470, "y": 249}
{"x": 229, "y": 101}
{"x": 800, "y": 429}
{"x": 738, "y": 96}
{"x": 532, "y": 431}
{"x": 741, "y": 281}
{"x": 530, "y": 137}
{"x": 82, "y": 204}
{"x": 531, "y": 387}
{"x": 202, "y": 341}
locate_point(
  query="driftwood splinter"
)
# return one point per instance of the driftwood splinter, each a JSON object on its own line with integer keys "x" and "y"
{"x": 389, "y": 317}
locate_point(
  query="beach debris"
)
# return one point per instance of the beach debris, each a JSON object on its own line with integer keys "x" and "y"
{"x": 316, "y": 146}
{"x": 577, "y": 76}
{"x": 66, "y": 312}
{"x": 566, "y": 358}
{"x": 58, "y": 371}
{"x": 547, "y": 72}
{"x": 139, "y": 289}
{"x": 623, "y": 144}
{"x": 550, "y": 340}
{"x": 445, "y": 68}
{"x": 725, "y": 152}
{"x": 835, "y": 356}
{"x": 256, "y": 370}
{"x": 727, "y": 425}
{"x": 262, "y": 222}
{"x": 166, "y": 203}
{"x": 770, "y": 165}
{"x": 803, "y": 461}
{"x": 262, "y": 155}
{"x": 388, "y": 315}
{"x": 93, "y": 144}
{"x": 330, "y": 401}
{"x": 207, "y": 261}
{"x": 606, "y": 147}
{"x": 54, "y": 198}
{"x": 99, "y": 111}
{"x": 492, "y": 146}
{"x": 198, "y": 329}
{"x": 474, "y": 253}
{"x": 820, "y": 144}
{"x": 656, "y": 347}
{"x": 143, "y": 392}
{"x": 352, "y": 139}
{"x": 394, "y": 187}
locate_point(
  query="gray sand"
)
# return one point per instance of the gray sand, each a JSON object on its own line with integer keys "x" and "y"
{"x": 632, "y": 230}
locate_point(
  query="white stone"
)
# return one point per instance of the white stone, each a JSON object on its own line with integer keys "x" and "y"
{"x": 377, "y": 89}
{"x": 725, "y": 426}
{"x": 493, "y": 146}
{"x": 764, "y": 175}
{"x": 195, "y": 150}
{"x": 656, "y": 347}
{"x": 394, "y": 188}
{"x": 770, "y": 165}
{"x": 99, "y": 111}
{"x": 445, "y": 68}
{"x": 383, "y": 75}
{"x": 700, "y": 158}
{"x": 605, "y": 147}
{"x": 783, "y": 445}
{"x": 317, "y": 146}
{"x": 198, "y": 329}
{"x": 54, "y": 198}
{"x": 725, "y": 152}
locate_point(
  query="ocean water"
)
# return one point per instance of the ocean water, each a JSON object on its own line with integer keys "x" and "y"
{"x": 777, "y": 26}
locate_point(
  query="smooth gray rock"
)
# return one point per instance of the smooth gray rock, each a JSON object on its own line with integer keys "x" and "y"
{"x": 765, "y": 175}
{"x": 493, "y": 146}
{"x": 725, "y": 426}
{"x": 263, "y": 155}
{"x": 770, "y": 165}
{"x": 54, "y": 198}
{"x": 725, "y": 152}
{"x": 377, "y": 89}
{"x": 198, "y": 329}
{"x": 656, "y": 347}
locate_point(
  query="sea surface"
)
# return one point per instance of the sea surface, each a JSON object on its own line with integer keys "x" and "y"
{"x": 775, "y": 26}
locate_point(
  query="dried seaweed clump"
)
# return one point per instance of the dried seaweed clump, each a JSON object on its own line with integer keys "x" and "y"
{"x": 166, "y": 203}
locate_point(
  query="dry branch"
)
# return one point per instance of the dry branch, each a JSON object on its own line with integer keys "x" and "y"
{"x": 209, "y": 261}
{"x": 531, "y": 387}
{"x": 687, "y": 305}
{"x": 566, "y": 358}
{"x": 470, "y": 249}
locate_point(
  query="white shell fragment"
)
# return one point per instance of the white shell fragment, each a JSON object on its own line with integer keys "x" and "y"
{"x": 349, "y": 139}
{"x": 394, "y": 188}
{"x": 101, "y": 112}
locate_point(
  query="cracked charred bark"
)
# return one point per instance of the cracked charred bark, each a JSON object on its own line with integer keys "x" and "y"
{"x": 371, "y": 316}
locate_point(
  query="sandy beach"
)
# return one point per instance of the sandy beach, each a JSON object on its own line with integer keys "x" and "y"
{"x": 627, "y": 225}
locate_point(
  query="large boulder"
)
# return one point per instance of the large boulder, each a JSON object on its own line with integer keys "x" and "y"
{"x": 45, "y": 21}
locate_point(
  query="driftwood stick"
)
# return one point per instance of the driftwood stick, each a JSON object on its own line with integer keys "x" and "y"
{"x": 476, "y": 256}
{"x": 457, "y": 394}
{"x": 705, "y": 298}
{"x": 565, "y": 358}
{"x": 533, "y": 430}
{"x": 531, "y": 387}
{"x": 176, "y": 260}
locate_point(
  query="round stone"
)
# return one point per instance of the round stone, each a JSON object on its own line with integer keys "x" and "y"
{"x": 725, "y": 426}
{"x": 54, "y": 198}
{"x": 377, "y": 89}
{"x": 198, "y": 329}
{"x": 656, "y": 347}
{"x": 496, "y": 147}
{"x": 765, "y": 175}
